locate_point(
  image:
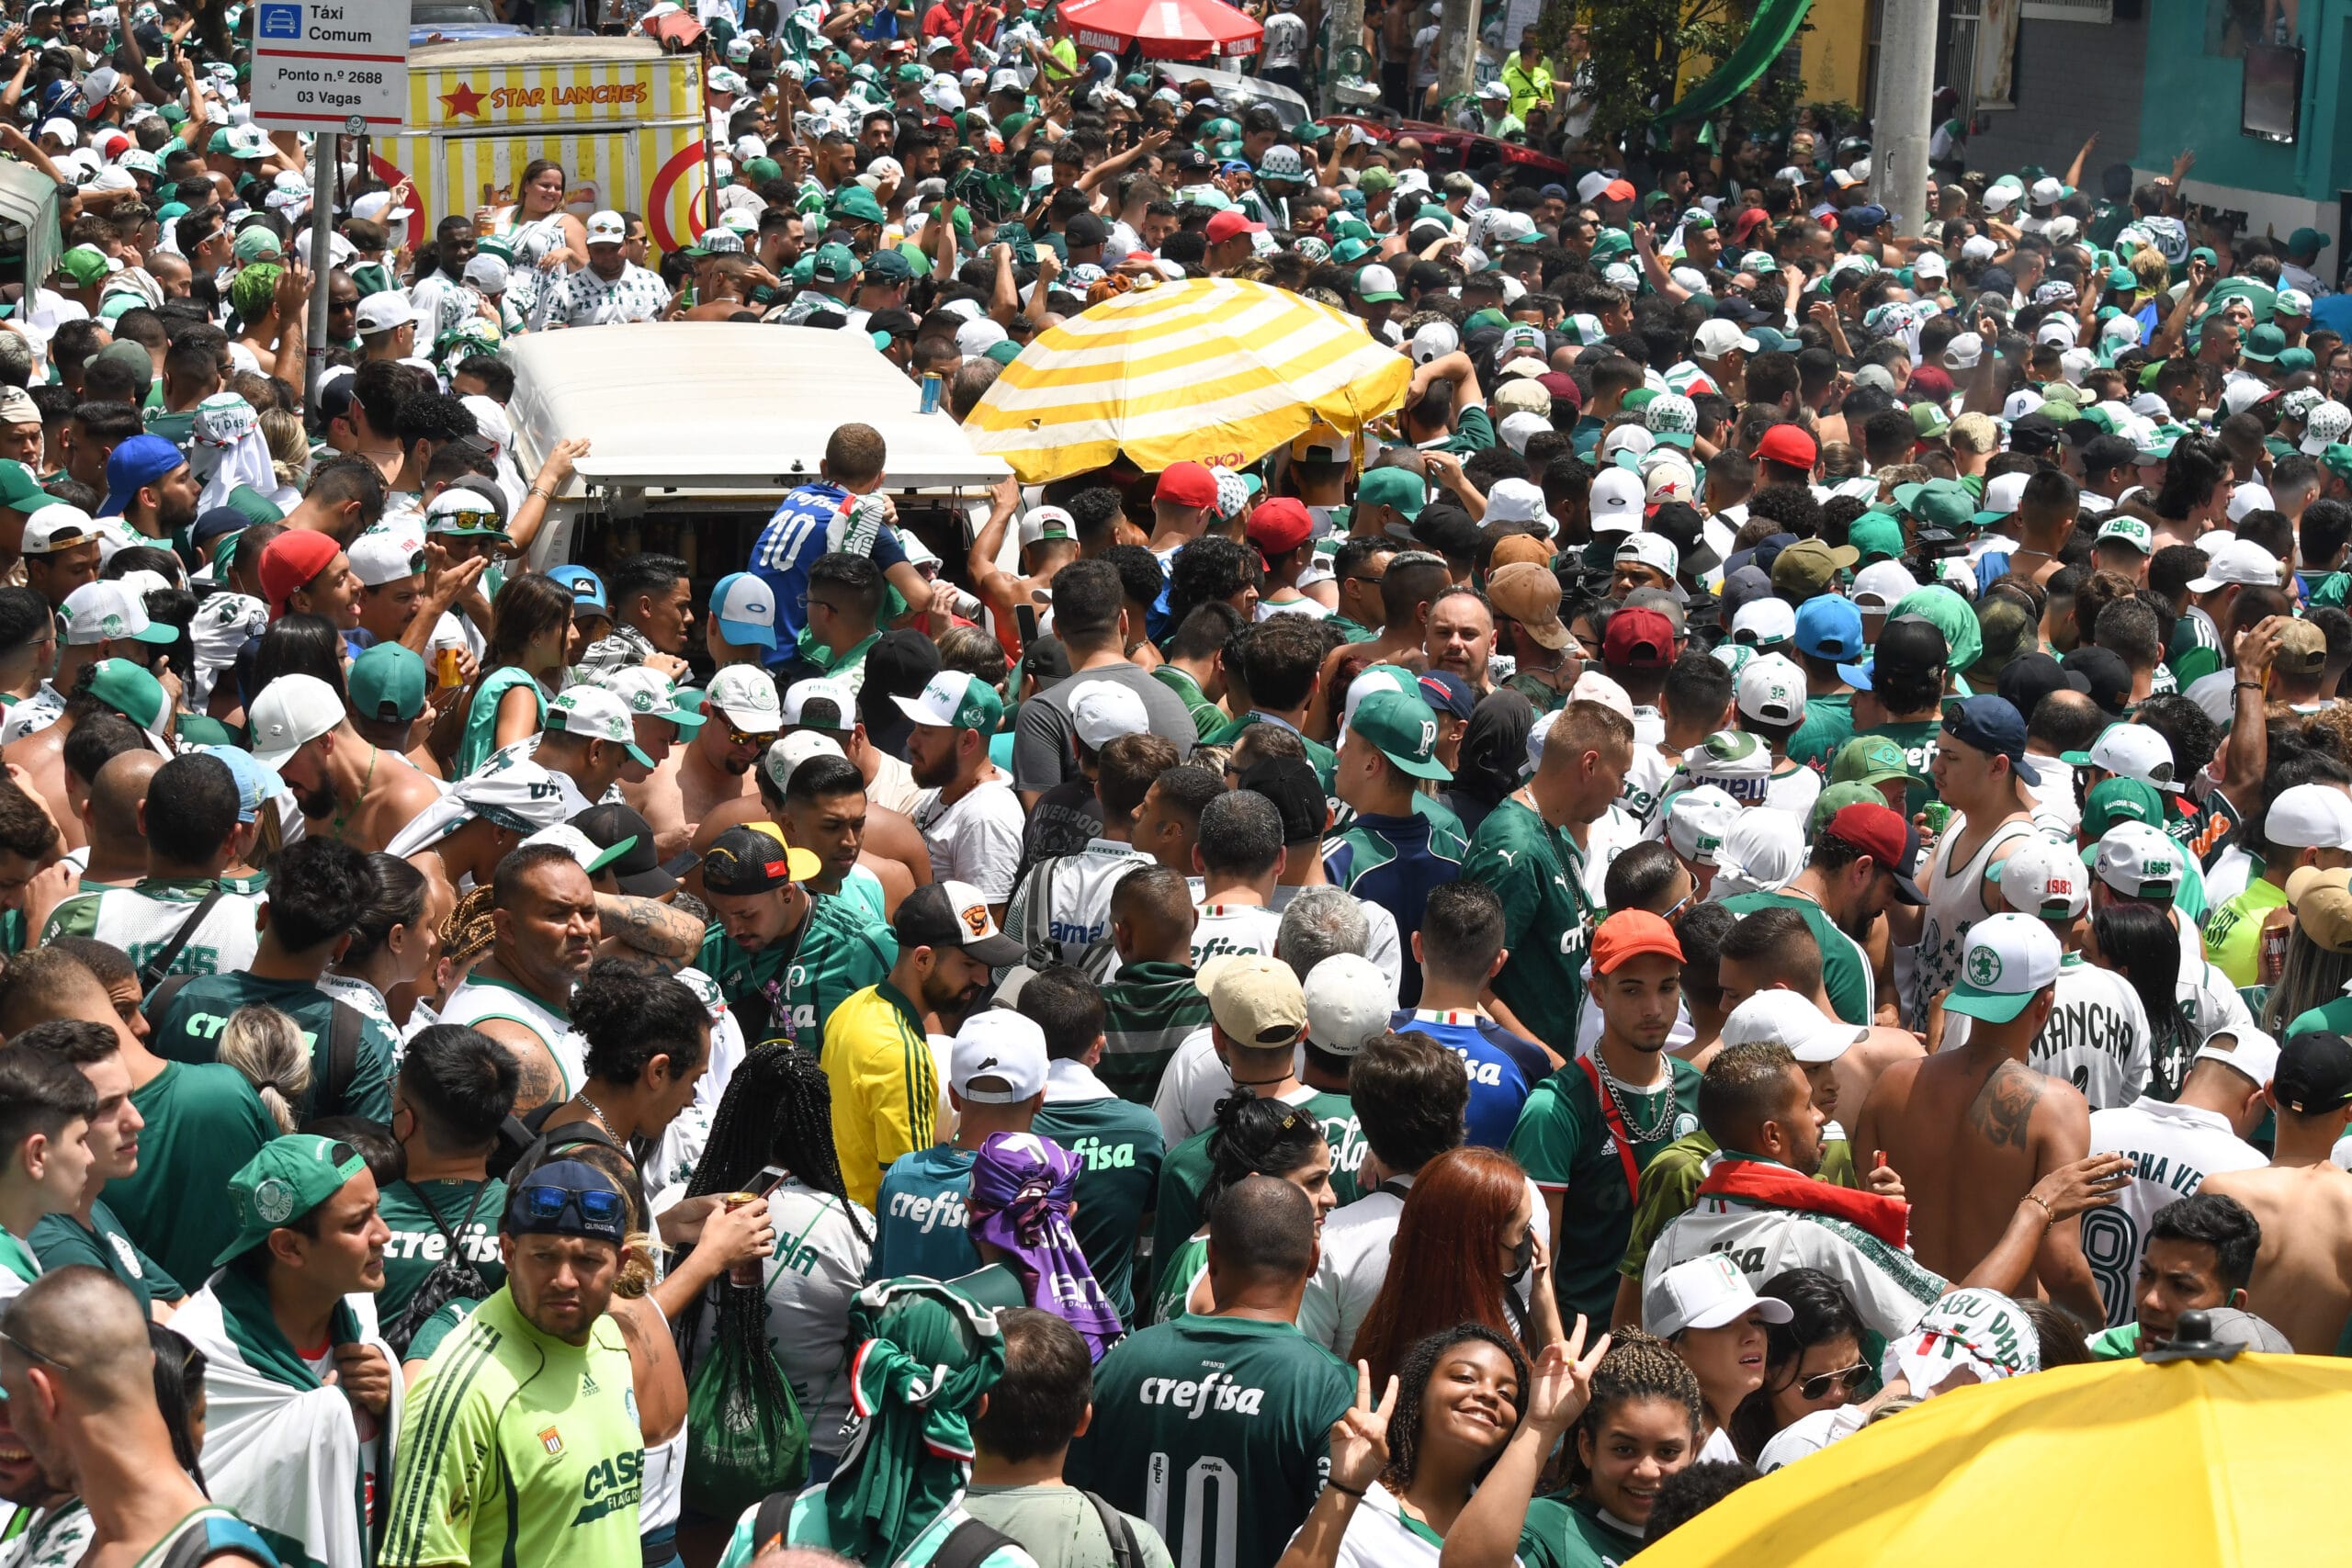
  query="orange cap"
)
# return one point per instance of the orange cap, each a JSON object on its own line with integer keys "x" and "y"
{"x": 1628, "y": 934}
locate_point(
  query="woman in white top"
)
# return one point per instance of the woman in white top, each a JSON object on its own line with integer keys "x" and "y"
{"x": 539, "y": 201}
{"x": 1715, "y": 1320}
{"x": 1458, "y": 1397}
{"x": 774, "y": 1133}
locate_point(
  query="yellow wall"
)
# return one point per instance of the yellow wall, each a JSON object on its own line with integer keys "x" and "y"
{"x": 1834, "y": 50}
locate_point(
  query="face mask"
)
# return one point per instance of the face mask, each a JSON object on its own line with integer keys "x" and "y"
{"x": 1523, "y": 1257}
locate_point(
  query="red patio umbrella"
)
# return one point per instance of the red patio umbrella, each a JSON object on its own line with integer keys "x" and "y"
{"x": 1168, "y": 29}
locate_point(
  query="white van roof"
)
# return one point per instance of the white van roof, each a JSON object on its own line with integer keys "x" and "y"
{"x": 727, "y": 406}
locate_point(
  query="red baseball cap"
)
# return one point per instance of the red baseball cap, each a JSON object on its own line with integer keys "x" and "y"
{"x": 292, "y": 560}
{"x": 1788, "y": 444}
{"x": 1879, "y": 832}
{"x": 1225, "y": 225}
{"x": 1638, "y": 638}
{"x": 1563, "y": 387}
{"x": 1629, "y": 933}
{"x": 1745, "y": 223}
{"x": 1186, "y": 484}
{"x": 1279, "y": 526}
{"x": 1618, "y": 190}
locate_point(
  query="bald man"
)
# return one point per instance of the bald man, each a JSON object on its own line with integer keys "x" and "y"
{"x": 110, "y": 820}
{"x": 80, "y": 1378}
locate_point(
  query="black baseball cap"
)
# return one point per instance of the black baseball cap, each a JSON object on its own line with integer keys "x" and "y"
{"x": 1909, "y": 643}
{"x": 928, "y": 918}
{"x": 2314, "y": 1073}
{"x": 745, "y": 861}
{"x": 2036, "y": 435}
{"x": 2105, "y": 675}
{"x": 1290, "y": 783}
{"x": 640, "y": 874}
{"x": 1191, "y": 161}
{"x": 2029, "y": 677}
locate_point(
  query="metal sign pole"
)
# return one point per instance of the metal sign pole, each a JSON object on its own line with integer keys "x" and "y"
{"x": 324, "y": 168}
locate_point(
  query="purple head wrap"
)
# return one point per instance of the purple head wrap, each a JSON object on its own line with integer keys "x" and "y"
{"x": 1021, "y": 1202}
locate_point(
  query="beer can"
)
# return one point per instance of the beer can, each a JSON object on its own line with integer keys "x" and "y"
{"x": 745, "y": 1273}
{"x": 1938, "y": 815}
{"x": 932, "y": 386}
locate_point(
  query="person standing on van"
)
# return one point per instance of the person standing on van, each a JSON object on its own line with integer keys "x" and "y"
{"x": 832, "y": 515}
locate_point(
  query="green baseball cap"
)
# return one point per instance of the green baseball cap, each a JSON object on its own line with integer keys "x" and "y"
{"x": 835, "y": 262}
{"x": 2336, "y": 458}
{"x": 291, "y": 1177}
{"x": 1870, "y": 760}
{"x": 85, "y": 265}
{"x": 954, "y": 700}
{"x": 1403, "y": 730}
{"x": 131, "y": 692}
{"x": 387, "y": 683}
{"x": 19, "y": 489}
{"x": 1929, "y": 420}
{"x": 1876, "y": 536}
{"x": 1836, "y": 798}
{"x": 2118, "y": 799}
{"x": 1400, "y": 488}
{"x": 858, "y": 203}
{"x": 1939, "y": 503}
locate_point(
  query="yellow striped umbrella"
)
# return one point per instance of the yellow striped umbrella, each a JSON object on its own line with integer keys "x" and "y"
{"x": 1212, "y": 371}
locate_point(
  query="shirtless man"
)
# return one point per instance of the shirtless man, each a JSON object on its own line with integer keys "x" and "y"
{"x": 1773, "y": 948}
{"x": 1973, "y": 1129}
{"x": 544, "y": 914}
{"x": 884, "y": 843}
{"x": 348, "y": 789}
{"x": 1980, "y": 771}
{"x": 741, "y": 717}
{"x": 2302, "y": 1276}
{"x": 1049, "y": 542}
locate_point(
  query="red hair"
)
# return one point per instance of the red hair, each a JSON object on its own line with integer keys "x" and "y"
{"x": 1445, "y": 1268}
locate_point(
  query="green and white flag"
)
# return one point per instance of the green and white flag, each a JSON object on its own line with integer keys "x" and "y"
{"x": 280, "y": 1447}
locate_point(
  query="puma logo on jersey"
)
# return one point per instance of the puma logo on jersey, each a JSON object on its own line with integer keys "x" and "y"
{"x": 1215, "y": 1391}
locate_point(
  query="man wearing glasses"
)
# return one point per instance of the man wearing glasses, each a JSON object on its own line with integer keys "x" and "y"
{"x": 519, "y": 1441}
{"x": 742, "y": 718}
{"x": 301, "y": 1399}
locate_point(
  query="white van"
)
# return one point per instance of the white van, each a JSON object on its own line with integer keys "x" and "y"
{"x": 698, "y": 429}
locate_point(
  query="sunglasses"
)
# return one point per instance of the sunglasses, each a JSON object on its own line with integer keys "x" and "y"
{"x": 762, "y": 740}
{"x": 470, "y": 520}
{"x": 1845, "y": 1380}
{"x": 545, "y": 1205}
{"x": 41, "y": 1357}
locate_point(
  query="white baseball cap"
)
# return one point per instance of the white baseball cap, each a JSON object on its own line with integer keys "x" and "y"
{"x": 290, "y": 712}
{"x": 1964, "y": 350}
{"x": 2310, "y": 817}
{"x": 2248, "y": 497}
{"x": 1517, "y": 430}
{"x": 1653, "y": 550}
{"x": 2044, "y": 879}
{"x": 595, "y": 713}
{"x": 744, "y": 694}
{"x": 1697, "y": 820}
{"x": 790, "y": 750}
{"x": 1764, "y": 622}
{"x": 110, "y": 612}
{"x": 2001, "y": 494}
{"x": 1436, "y": 340}
{"x": 1882, "y": 585}
{"x": 2251, "y": 1051}
{"x": 953, "y": 700}
{"x": 607, "y": 227}
{"x": 2240, "y": 560}
{"x": 819, "y": 688}
{"x": 1518, "y": 500}
{"x": 2328, "y": 423}
{"x": 2010, "y": 959}
{"x": 2139, "y": 861}
{"x": 1101, "y": 711}
{"x": 998, "y": 1042}
{"x": 1349, "y": 1001}
{"x": 1784, "y": 1018}
{"x": 383, "y": 312}
{"x": 1044, "y": 523}
{"x": 1618, "y": 497}
{"x": 380, "y": 557}
{"x": 2134, "y": 750}
{"x": 1772, "y": 689}
{"x": 57, "y": 526}
{"x": 1717, "y": 337}
{"x": 1706, "y": 1292}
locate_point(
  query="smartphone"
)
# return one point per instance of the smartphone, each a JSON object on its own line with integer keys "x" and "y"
{"x": 1025, "y": 615}
{"x": 771, "y": 1177}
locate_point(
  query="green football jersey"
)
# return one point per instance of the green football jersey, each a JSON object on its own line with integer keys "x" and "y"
{"x": 788, "y": 991}
{"x": 143, "y": 918}
{"x": 468, "y": 1210}
{"x": 1829, "y": 725}
{"x": 203, "y": 1122}
{"x": 198, "y": 1011}
{"x": 1123, "y": 1147}
{"x": 1565, "y": 1142}
{"x": 1566, "y": 1531}
{"x": 1536, "y": 871}
{"x": 1215, "y": 1430}
{"x": 61, "y": 1241}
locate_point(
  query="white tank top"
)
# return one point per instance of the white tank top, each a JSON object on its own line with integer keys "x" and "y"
{"x": 479, "y": 998}
{"x": 658, "y": 1504}
{"x": 1955, "y": 903}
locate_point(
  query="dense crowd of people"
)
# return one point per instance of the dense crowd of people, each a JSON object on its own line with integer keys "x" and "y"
{"x": 1771, "y": 842}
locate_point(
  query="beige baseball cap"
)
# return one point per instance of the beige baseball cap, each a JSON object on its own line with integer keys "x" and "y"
{"x": 1256, "y": 1000}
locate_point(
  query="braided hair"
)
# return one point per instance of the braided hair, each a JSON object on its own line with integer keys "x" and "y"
{"x": 1257, "y": 1137}
{"x": 1413, "y": 1383}
{"x": 778, "y": 1109}
{"x": 1639, "y": 1366}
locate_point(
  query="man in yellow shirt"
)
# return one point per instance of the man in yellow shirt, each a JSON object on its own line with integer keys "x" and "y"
{"x": 1528, "y": 76}
{"x": 877, "y": 1051}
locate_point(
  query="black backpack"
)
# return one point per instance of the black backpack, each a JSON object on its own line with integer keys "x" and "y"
{"x": 455, "y": 1277}
{"x": 332, "y": 1074}
{"x": 968, "y": 1544}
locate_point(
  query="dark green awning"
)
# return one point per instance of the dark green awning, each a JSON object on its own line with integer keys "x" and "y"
{"x": 1776, "y": 22}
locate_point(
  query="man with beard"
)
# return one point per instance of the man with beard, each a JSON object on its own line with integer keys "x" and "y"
{"x": 152, "y": 488}
{"x": 785, "y": 956}
{"x": 543, "y": 912}
{"x": 610, "y": 287}
{"x": 742, "y": 718}
{"x": 971, "y": 820}
{"x": 878, "y": 1050}
{"x": 1861, "y": 862}
{"x": 1462, "y": 636}
{"x": 79, "y": 1372}
{"x": 346, "y": 788}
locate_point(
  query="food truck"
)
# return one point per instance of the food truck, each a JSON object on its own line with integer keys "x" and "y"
{"x": 625, "y": 122}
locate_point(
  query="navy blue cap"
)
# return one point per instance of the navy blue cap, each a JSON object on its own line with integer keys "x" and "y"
{"x": 1993, "y": 726}
{"x": 1448, "y": 692}
{"x": 568, "y": 1197}
{"x": 218, "y": 521}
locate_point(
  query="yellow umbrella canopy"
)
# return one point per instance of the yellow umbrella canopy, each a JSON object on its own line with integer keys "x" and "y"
{"x": 2210, "y": 1462}
{"x": 1212, "y": 371}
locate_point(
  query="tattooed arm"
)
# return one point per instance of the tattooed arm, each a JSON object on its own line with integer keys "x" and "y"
{"x": 540, "y": 1081}
{"x": 650, "y": 927}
